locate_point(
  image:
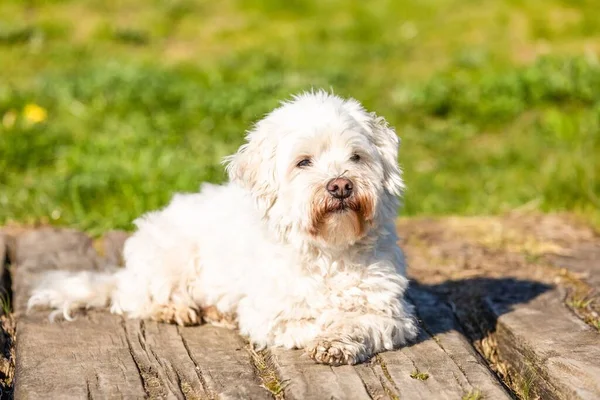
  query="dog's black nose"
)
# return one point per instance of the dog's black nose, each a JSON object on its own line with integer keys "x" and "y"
{"x": 340, "y": 188}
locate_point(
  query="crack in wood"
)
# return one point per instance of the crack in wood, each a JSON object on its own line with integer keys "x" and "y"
{"x": 382, "y": 380}
{"x": 166, "y": 366}
{"x": 511, "y": 376}
{"x": 474, "y": 333}
{"x": 184, "y": 387}
{"x": 458, "y": 380}
{"x": 89, "y": 393}
{"x": 197, "y": 369}
{"x": 142, "y": 374}
{"x": 523, "y": 371}
{"x": 368, "y": 389}
{"x": 266, "y": 373}
{"x": 143, "y": 333}
{"x": 417, "y": 370}
{"x": 385, "y": 371}
{"x": 165, "y": 376}
{"x": 441, "y": 346}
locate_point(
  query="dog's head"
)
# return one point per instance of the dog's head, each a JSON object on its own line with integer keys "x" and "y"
{"x": 322, "y": 169}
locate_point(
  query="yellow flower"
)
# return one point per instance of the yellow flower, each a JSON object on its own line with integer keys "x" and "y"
{"x": 34, "y": 113}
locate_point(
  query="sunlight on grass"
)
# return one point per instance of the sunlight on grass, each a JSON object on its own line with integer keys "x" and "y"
{"x": 494, "y": 101}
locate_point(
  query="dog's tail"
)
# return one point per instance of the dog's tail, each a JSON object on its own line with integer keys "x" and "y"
{"x": 66, "y": 291}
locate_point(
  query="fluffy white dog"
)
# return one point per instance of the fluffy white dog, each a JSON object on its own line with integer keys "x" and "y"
{"x": 298, "y": 250}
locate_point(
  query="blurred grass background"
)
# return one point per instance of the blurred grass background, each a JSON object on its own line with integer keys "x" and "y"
{"x": 108, "y": 107}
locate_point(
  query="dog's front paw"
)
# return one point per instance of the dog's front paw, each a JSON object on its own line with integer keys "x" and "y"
{"x": 335, "y": 352}
{"x": 176, "y": 314}
{"x": 214, "y": 317}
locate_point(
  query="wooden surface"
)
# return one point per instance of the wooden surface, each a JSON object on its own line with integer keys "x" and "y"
{"x": 561, "y": 353}
{"x": 105, "y": 356}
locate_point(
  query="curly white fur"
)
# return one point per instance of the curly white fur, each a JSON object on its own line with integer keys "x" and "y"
{"x": 297, "y": 266}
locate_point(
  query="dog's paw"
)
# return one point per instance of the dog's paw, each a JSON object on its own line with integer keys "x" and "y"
{"x": 213, "y": 316}
{"x": 179, "y": 314}
{"x": 335, "y": 352}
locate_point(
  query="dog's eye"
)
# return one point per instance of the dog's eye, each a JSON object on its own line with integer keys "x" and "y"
{"x": 304, "y": 163}
{"x": 355, "y": 158}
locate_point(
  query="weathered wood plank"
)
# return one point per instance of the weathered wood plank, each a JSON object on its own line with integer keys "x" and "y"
{"x": 438, "y": 320}
{"x": 511, "y": 260}
{"x": 193, "y": 362}
{"x": 80, "y": 360}
{"x": 306, "y": 380}
{"x": 376, "y": 385}
{"x": 104, "y": 356}
{"x": 221, "y": 357}
{"x": 162, "y": 360}
{"x": 441, "y": 364}
{"x": 87, "y": 358}
{"x": 454, "y": 369}
{"x": 549, "y": 346}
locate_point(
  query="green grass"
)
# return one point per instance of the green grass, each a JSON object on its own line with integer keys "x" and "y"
{"x": 422, "y": 376}
{"x": 473, "y": 395}
{"x": 5, "y": 303}
{"x": 497, "y": 102}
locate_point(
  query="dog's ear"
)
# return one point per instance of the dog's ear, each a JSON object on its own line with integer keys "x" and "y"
{"x": 253, "y": 167}
{"x": 387, "y": 142}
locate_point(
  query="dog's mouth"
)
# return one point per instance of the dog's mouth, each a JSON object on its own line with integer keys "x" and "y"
{"x": 341, "y": 220}
{"x": 352, "y": 204}
{"x": 340, "y": 206}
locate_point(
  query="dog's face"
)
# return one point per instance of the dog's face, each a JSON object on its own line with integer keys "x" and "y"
{"x": 321, "y": 168}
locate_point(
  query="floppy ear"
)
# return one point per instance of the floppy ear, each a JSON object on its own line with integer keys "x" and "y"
{"x": 387, "y": 142}
{"x": 253, "y": 167}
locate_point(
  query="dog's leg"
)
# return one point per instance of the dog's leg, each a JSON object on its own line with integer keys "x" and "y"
{"x": 160, "y": 266}
{"x": 338, "y": 337}
{"x": 175, "y": 307}
{"x": 353, "y": 338}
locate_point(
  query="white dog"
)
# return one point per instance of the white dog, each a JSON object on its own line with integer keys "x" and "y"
{"x": 298, "y": 250}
